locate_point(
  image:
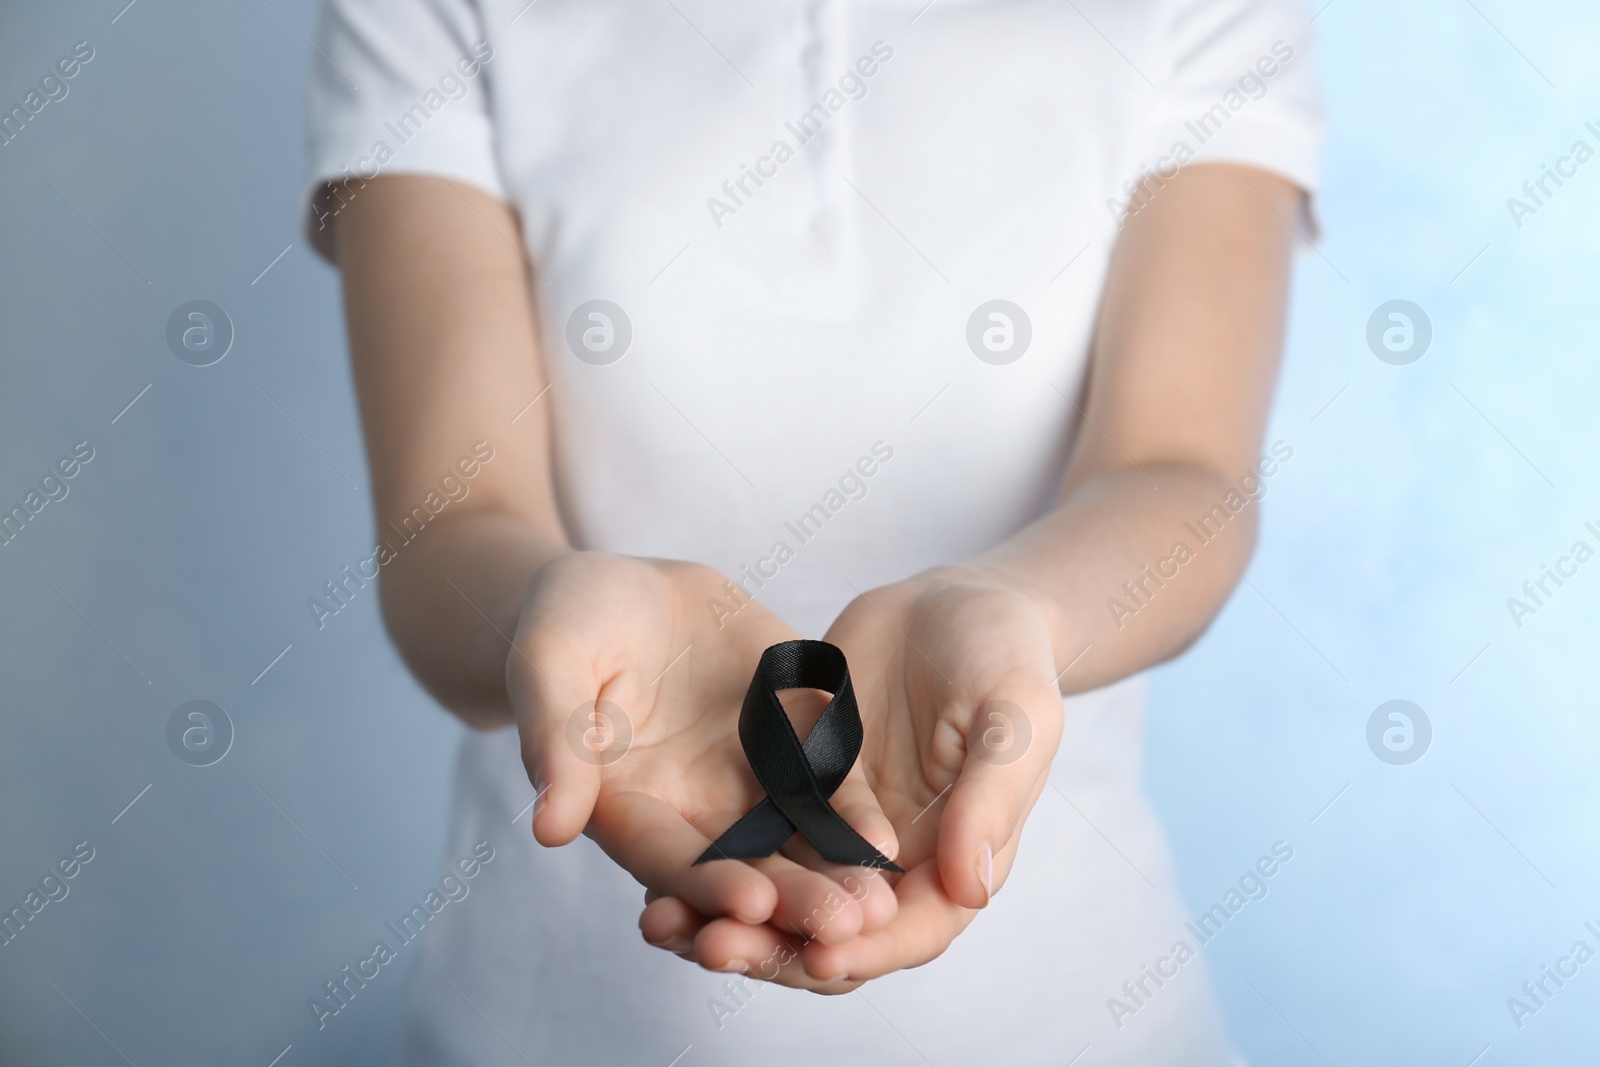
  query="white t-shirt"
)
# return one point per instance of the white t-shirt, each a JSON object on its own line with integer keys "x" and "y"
{"x": 816, "y": 280}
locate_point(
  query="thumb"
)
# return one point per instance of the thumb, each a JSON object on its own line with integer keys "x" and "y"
{"x": 568, "y": 738}
{"x": 1010, "y": 746}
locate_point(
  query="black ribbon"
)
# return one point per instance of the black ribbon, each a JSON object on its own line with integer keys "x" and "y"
{"x": 798, "y": 778}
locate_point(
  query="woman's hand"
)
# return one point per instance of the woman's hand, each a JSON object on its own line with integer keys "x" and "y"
{"x": 626, "y": 687}
{"x": 956, "y": 679}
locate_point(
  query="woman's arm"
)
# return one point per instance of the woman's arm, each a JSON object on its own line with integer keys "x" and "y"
{"x": 1184, "y": 363}
{"x": 446, "y": 354}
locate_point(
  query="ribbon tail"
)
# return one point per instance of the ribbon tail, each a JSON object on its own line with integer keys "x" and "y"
{"x": 761, "y": 831}
{"x": 764, "y": 829}
{"x": 834, "y": 839}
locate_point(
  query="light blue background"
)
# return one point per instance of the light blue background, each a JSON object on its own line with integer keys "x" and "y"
{"x": 1416, "y": 503}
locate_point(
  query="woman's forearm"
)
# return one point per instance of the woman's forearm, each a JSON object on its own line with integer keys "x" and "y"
{"x": 452, "y": 599}
{"x": 1160, "y": 510}
{"x": 445, "y": 350}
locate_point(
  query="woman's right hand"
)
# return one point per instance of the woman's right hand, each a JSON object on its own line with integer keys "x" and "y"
{"x": 626, "y": 682}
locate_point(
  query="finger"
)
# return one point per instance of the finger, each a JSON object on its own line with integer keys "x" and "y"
{"x": 1010, "y": 746}
{"x": 668, "y": 923}
{"x": 924, "y": 926}
{"x": 811, "y": 905}
{"x": 653, "y": 842}
{"x": 759, "y": 952}
{"x": 871, "y": 888}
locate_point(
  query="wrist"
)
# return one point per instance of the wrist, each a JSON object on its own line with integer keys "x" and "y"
{"x": 1063, "y": 647}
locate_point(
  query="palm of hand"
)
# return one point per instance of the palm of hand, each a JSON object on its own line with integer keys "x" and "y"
{"x": 955, "y": 679}
{"x": 628, "y": 717}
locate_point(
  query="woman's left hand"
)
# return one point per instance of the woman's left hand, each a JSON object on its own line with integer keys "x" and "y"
{"x": 955, "y": 675}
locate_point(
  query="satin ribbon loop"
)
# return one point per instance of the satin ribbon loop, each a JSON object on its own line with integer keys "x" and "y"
{"x": 799, "y": 778}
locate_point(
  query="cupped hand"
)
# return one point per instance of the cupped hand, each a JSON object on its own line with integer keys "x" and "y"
{"x": 626, "y": 682}
{"x": 955, "y": 675}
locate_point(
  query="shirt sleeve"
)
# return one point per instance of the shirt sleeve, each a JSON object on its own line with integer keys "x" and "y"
{"x": 398, "y": 86}
{"x": 1241, "y": 86}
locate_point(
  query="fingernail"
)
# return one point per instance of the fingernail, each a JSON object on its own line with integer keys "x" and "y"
{"x": 734, "y": 966}
{"x": 986, "y": 871}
